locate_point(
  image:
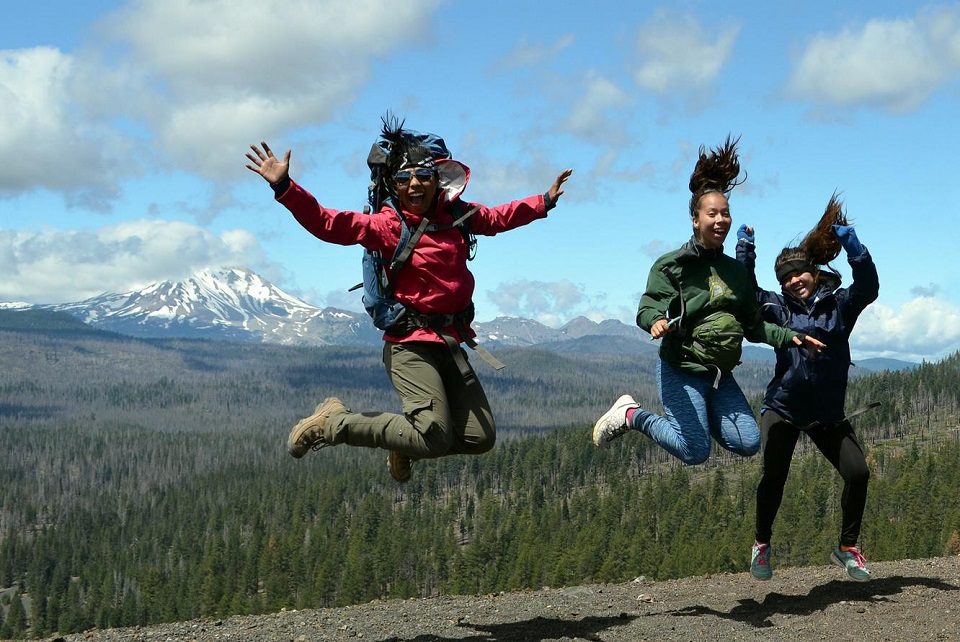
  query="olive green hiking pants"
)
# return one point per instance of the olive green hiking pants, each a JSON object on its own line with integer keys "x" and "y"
{"x": 442, "y": 415}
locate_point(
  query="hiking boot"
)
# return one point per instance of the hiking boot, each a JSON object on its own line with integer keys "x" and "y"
{"x": 760, "y": 562}
{"x": 399, "y": 465}
{"x": 852, "y": 560}
{"x": 308, "y": 433}
{"x": 614, "y": 422}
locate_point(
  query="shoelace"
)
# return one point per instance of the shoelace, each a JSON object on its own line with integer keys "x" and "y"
{"x": 858, "y": 557}
{"x": 762, "y": 554}
{"x": 318, "y": 444}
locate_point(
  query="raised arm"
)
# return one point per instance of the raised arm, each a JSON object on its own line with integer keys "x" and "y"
{"x": 866, "y": 282}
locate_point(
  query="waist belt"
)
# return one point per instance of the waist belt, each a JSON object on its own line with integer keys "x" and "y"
{"x": 410, "y": 320}
{"x": 856, "y": 413}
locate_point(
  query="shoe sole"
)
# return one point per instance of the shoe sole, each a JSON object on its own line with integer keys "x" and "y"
{"x": 598, "y": 427}
{"x": 320, "y": 415}
{"x": 399, "y": 466}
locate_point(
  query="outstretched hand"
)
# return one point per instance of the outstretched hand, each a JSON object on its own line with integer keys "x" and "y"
{"x": 806, "y": 341}
{"x": 267, "y": 165}
{"x": 554, "y": 192}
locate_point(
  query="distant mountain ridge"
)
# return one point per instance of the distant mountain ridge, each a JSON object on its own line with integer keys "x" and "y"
{"x": 235, "y": 304}
{"x": 229, "y": 304}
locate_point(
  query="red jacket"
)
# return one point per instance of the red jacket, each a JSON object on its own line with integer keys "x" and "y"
{"x": 436, "y": 279}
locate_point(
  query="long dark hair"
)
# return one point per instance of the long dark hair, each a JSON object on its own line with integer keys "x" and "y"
{"x": 818, "y": 247}
{"x": 821, "y": 243}
{"x": 717, "y": 170}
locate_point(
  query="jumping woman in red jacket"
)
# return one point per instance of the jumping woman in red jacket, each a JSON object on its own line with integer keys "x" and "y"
{"x": 443, "y": 411}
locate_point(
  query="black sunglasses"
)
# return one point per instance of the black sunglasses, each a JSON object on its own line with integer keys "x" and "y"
{"x": 422, "y": 173}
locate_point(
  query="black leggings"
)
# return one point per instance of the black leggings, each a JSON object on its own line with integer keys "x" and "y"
{"x": 841, "y": 448}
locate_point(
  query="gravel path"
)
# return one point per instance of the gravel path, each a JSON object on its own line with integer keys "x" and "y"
{"x": 911, "y": 600}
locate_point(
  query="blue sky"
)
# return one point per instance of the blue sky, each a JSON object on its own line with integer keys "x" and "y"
{"x": 123, "y": 126}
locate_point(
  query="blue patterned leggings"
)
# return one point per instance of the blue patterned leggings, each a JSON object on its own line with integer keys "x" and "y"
{"x": 695, "y": 411}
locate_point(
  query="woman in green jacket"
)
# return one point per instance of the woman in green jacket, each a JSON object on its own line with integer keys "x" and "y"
{"x": 701, "y": 302}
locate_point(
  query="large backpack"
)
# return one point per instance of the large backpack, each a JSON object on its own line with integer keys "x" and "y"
{"x": 378, "y": 294}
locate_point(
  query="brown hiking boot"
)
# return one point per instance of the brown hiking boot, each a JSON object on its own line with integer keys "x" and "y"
{"x": 308, "y": 433}
{"x": 399, "y": 465}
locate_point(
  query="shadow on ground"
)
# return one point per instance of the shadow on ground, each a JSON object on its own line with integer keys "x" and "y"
{"x": 758, "y": 614}
{"x": 534, "y": 630}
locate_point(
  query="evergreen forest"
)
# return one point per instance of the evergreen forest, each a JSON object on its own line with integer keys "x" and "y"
{"x": 148, "y": 481}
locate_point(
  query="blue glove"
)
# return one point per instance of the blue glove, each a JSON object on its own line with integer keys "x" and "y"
{"x": 848, "y": 239}
{"x": 744, "y": 235}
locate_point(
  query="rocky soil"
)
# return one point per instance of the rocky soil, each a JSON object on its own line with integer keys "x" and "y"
{"x": 911, "y": 600}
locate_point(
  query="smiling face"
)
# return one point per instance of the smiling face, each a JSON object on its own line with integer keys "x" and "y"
{"x": 712, "y": 220}
{"x": 801, "y": 284}
{"x": 417, "y": 190}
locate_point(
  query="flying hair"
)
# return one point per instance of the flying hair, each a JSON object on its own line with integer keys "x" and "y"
{"x": 404, "y": 148}
{"x": 821, "y": 243}
{"x": 717, "y": 170}
{"x": 818, "y": 247}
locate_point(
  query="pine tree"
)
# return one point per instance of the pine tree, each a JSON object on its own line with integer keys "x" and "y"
{"x": 15, "y": 623}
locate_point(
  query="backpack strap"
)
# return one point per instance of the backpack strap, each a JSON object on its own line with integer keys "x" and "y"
{"x": 436, "y": 227}
{"x": 675, "y": 282}
{"x": 856, "y": 413}
{"x": 402, "y": 254}
{"x": 411, "y": 320}
{"x": 405, "y": 249}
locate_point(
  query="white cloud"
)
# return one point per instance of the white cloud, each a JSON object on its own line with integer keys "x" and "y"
{"x": 528, "y": 55}
{"x": 59, "y": 266}
{"x": 588, "y": 117}
{"x": 677, "y": 55}
{"x": 50, "y": 139}
{"x": 893, "y": 64}
{"x": 549, "y": 303}
{"x": 188, "y": 84}
{"x": 923, "y": 328}
{"x": 227, "y": 71}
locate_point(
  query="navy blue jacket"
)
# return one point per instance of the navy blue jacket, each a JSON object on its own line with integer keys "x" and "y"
{"x": 807, "y": 387}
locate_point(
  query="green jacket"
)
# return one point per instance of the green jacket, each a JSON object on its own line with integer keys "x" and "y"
{"x": 710, "y": 281}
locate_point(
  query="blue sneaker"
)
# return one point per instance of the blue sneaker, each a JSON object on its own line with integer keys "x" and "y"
{"x": 852, "y": 560}
{"x": 760, "y": 562}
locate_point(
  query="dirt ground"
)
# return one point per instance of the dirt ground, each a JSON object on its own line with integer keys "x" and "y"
{"x": 911, "y": 600}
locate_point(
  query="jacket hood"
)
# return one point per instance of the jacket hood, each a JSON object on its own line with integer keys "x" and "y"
{"x": 828, "y": 284}
{"x": 829, "y": 280}
{"x": 453, "y": 179}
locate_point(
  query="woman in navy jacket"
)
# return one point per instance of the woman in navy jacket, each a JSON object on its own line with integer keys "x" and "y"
{"x": 807, "y": 391}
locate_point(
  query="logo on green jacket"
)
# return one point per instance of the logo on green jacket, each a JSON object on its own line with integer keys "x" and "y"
{"x": 720, "y": 292}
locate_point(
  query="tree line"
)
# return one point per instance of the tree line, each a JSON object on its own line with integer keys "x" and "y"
{"x": 146, "y": 481}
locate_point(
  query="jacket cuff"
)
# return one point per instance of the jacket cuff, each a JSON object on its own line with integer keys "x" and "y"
{"x": 548, "y": 204}
{"x": 280, "y": 187}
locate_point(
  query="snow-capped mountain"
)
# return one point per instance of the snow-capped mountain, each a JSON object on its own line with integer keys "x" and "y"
{"x": 238, "y": 305}
{"x": 233, "y": 304}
